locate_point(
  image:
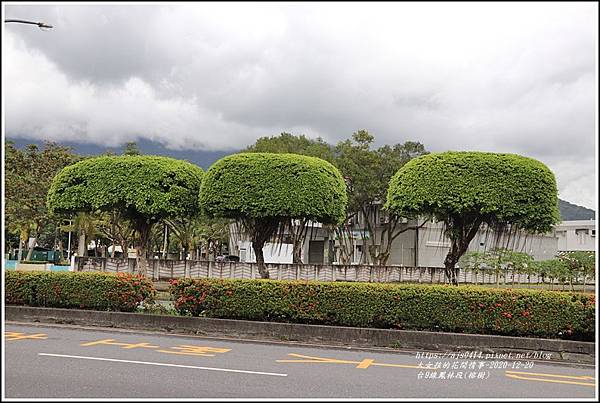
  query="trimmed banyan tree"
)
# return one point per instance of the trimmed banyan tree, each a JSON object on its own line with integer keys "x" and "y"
{"x": 144, "y": 189}
{"x": 464, "y": 190}
{"x": 265, "y": 190}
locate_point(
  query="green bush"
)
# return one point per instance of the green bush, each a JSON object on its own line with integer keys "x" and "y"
{"x": 418, "y": 307}
{"x": 98, "y": 291}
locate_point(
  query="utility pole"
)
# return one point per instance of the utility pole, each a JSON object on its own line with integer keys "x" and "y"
{"x": 69, "y": 247}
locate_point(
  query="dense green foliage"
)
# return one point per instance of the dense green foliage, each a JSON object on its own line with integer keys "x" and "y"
{"x": 287, "y": 143}
{"x": 472, "y": 309}
{"x": 148, "y": 186}
{"x": 367, "y": 172}
{"x": 261, "y": 185}
{"x": 498, "y": 187}
{"x": 464, "y": 190}
{"x": 570, "y": 267}
{"x": 98, "y": 291}
{"x": 142, "y": 189}
{"x": 581, "y": 262}
{"x": 28, "y": 175}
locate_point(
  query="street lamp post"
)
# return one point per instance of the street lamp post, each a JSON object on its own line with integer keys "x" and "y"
{"x": 39, "y": 24}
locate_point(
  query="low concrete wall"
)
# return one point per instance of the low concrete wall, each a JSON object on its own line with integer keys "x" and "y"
{"x": 558, "y": 350}
{"x": 32, "y": 266}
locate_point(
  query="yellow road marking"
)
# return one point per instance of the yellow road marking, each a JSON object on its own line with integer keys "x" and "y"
{"x": 140, "y": 345}
{"x": 365, "y": 363}
{"x": 583, "y": 377}
{"x": 95, "y": 343}
{"x": 111, "y": 342}
{"x": 512, "y": 374}
{"x": 202, "y": 351}
{"x": 10, "y": 336}
{"x": 361, "y": 364}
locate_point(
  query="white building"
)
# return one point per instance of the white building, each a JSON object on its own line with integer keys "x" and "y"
{"x": 579, "y": 235}
{"x": 425, "y": 246}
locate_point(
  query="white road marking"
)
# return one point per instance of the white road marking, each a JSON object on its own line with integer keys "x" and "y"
{"x": 162, "y": 364}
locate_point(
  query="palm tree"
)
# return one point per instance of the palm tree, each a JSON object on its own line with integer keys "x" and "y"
{"x": 86, "y": 225}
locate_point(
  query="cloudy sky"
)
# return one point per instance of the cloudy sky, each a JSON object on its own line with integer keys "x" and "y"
{"x": 502, "y": 77}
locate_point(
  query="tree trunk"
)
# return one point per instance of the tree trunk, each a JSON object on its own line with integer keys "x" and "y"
{"x": 20, "y": 250}
{"x": 23, "y": 238}
{"x": 463, "y": 231}
{"x": 30, "y": 250}
{"x": 60, "y": 247}
{"x": 81, "y": 246}
{"x": 260, "y": 259}
{"x": 191, "y": 250}
{"x": 297, "y": 258}
{"x": 571, "y": 282}
{"x": 450, "y": 266}
{"x": 165, "y": 242}
{"x": 346, "y": 244}
{"x": 298, "y": 237}
{"x": 124, "y": 249}
{"x": 383, "y": 258}
{"x": 261, "y": 231}
{"x": 143, "y": 229}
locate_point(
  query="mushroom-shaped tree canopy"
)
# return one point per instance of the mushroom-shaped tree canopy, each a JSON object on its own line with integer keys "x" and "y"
{"x": 144, "y": 189}
{"x": 466, "y": 189}
{"x": 263, "y": 190}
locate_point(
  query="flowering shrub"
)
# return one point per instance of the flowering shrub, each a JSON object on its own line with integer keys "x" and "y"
{"x": 480, "y": 310}
{"x": 99, "y": 291}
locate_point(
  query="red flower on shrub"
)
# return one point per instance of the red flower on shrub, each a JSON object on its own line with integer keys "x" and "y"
{"x": 525, "y": 313}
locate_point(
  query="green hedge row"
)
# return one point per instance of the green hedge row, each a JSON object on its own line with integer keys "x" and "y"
{"x": 98, "y": 291}
{"x": 533, "y": 313}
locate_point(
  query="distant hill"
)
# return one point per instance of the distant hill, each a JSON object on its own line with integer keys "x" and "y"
{"x": 570, "y": 211}
{"x": 203, "y": 159}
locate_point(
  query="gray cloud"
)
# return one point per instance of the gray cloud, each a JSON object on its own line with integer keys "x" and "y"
{"x": 496, "y": 77}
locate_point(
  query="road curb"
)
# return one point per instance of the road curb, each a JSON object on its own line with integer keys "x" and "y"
{"x": 530, "y": 348}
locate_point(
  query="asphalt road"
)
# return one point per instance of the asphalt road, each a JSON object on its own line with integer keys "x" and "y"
{"x": 54, "y": 361}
